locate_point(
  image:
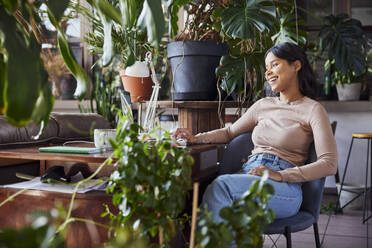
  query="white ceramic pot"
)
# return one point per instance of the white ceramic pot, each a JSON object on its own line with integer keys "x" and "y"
{"x": 102, "y": 137}
{"x": 349, "y": 92}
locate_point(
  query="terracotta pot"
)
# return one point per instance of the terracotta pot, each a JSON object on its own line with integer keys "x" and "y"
{"x": 140, "y": 88}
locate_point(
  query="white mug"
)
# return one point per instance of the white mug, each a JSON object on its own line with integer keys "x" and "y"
{"x": 102, "y": 137}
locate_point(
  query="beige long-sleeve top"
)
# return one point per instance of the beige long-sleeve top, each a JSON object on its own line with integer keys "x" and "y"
{"x": 286, "y": 130}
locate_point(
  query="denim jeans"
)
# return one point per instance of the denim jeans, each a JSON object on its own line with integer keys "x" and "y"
{"x": 285, "y": 202}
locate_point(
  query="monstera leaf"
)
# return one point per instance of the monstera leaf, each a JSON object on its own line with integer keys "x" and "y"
{"x": 245, "y": 18}
{"x": 345, "y": 42}
{"x": 289, "y": 31}
{"x": 233, "y": 71}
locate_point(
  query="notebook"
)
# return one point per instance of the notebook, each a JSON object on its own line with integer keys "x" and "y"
{"x": 72, "y": 149}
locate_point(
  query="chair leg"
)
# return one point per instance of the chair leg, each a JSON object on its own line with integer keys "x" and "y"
{"x": 287, "y": 233}
{"x": 338, "y": 204}
{"x": 316, "y": 235}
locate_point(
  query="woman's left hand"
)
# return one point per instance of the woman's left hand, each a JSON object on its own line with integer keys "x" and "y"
{"x": 258, "y": 171}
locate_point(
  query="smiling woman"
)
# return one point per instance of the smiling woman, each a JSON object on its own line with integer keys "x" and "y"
{"x": 274, "y": 122}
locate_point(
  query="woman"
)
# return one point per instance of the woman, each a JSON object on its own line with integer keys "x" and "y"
{"x": 283, "y": 128}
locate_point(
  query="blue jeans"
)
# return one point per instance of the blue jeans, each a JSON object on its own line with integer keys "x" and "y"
{"x": 285, "y": 202}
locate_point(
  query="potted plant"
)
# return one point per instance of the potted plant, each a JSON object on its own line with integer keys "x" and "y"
{"x": 250, "y": 28}
{"x": 344, "y": 42}
{"x": 196, "y": 53}
{"x": 126, "y": 42}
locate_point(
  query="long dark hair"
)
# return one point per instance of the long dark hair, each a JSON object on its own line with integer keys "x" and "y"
{"x": 306, "y": 77}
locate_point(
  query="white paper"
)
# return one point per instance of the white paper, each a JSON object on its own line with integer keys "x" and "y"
{"x": 94, "y": 184}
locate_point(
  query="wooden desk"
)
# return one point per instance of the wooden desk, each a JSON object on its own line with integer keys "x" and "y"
{"x": 90, "y": 205}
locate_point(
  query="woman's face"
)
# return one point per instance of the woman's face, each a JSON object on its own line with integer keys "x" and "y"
{"x": 280, "y": 74}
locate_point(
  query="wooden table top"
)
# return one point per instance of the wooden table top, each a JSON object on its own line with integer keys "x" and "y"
{"x": 32, "y": 153}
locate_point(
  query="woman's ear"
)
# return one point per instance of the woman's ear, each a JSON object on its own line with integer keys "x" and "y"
{"x": 297, "y": 65}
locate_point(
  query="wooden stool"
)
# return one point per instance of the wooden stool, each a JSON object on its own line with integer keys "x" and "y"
{"x": 368, "y": 137}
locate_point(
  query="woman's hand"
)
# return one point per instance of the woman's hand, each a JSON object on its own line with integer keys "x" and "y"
{"x": 185, "y": 134}
{"x": 258, "y": 171}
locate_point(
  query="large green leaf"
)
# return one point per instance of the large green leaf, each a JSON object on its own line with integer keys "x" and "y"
{"x": 129, "y": 12}
{"x": 288, "y": 31}
{"x": 3, "y": 79}
{"x": 108, "y": 10}
{"x": 76, "y": 70}
{"x": 10, "y": 5}
{"x": 108, "y": 48}
{"x": 23, "y": 71}
{"x": 43, "y": 107}
{"x": 244, "y": 18}
{"x": 57, "y": 7}
{"x": 152, "y": 19}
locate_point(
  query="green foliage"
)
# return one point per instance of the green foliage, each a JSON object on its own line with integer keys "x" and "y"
{"x": 250, "y": 28}
{"x": 125, "y": 28}
{"x": 245, "y": 19}
{"x": 105, "y": 99}
{"x": 151, "y": 181}
{"x": 244, "y": 222}
{"x": 345, "y": 43}
{"x": 41, "y": 234}
{"x": 24, "y": 92}
{"x": 174, "y": 7}
{"x": 127, "y": 237}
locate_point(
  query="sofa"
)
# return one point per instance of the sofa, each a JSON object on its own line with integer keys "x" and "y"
{"x": 61, "y": 128}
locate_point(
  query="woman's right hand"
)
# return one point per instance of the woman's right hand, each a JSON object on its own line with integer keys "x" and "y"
{"x": 185, "y": 134}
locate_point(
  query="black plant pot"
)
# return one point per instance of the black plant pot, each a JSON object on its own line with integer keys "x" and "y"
{"x": 67, "y": 87}
{"x": 193, "y": 67}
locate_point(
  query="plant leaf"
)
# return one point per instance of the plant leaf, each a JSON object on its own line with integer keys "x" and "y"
{"x": 23, "y": 71}
{"x": 57, "y": 7}
{"x": 10, "y": 5}
{"x": 78, "y": 72}
{"x": 3, "y": 83}
{"x": 128, "y": 9}
{"x": 243, "y": 19}
{"x": 109, "y": 11}
{"x": 174, "y": 8}
{"x": 152, "y": 19}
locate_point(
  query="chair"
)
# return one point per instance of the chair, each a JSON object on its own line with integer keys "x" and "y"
{"x": 233, "y": 158}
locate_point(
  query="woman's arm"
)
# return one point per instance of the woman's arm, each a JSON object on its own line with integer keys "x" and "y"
{"x": 224, "y": 135}
{"x": 325, "y": 147}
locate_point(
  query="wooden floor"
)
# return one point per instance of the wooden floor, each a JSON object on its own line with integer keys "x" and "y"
{"x": 337, "y": 231}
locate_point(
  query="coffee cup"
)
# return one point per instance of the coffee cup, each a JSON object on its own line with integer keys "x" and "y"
{"x": 102, "y": 137}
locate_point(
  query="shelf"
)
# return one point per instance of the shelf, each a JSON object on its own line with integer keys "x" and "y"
{"x": 330, "y": 106}
{"x": 347, "y": 106}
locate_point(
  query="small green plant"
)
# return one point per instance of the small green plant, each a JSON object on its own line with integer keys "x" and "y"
{"x": 105, "y": 98}
{"x": 150, "y": 183}
{"x": 41, "y": 233}
{"x": 244, "y": 222}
